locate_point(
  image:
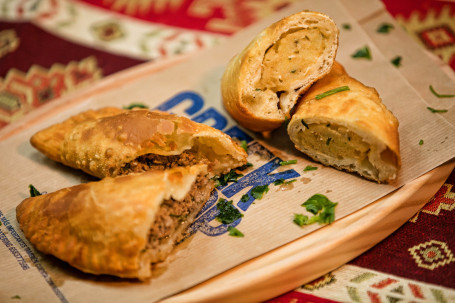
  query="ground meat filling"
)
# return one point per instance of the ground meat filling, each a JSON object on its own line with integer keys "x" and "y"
{"x": 158, "y": 162}
{"x": 174, "y": 216}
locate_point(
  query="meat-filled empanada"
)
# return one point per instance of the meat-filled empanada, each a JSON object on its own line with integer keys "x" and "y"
{"x": 350, "y": 129}
{"x": 261, "y": 85}
{"x": 137, "y": 140}
{"x": 117, "y": 226}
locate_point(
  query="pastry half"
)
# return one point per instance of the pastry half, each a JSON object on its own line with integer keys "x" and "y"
{"x": 351, "y": 129}
{"x": 262, "y": 84}
{"x": 117, "y": 226}
{"x": 132, "y": 141}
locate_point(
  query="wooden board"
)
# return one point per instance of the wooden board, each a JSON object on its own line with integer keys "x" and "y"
{"x": 299, "y": 262}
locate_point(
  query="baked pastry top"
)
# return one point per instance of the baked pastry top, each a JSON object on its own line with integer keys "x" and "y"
{"x": 351, "y": 130}
{"x": 111, "y": 142}
{"x": 261, "y": 84}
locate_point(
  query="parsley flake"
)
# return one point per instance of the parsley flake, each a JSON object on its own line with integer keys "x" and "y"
{"x": 385, "y": 28}
{"x": 245, "y": 198}
{"x": 135, "y": 105}
{"x": 421, "y": 142}
{"x": 309, "y": 168}
{"x": 231, "y": 176}
{"x": 437, "y": 110}
{"x": 322, "y": 208}
{"x": 363, "y": 52}
{"x": 282, "y": 163}
{"x": 259, "y": 191}
{"x": 396, "y": 61}
{"x": 300, "y": 219}
{"x": 331, "y": 92}
{"x": 228, "y": 212}
{"x": 244, "y": 145}
{"x": 439, "y": 95}
{"x": 346, "y": 26}
{"x": 33, "y": 191}
{"x": 16, "y": 297}
{"x": 234, "y": 232}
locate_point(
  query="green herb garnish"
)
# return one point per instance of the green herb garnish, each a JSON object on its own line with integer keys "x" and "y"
{"x": 437, "y": 110}
{"x": 331, "y": 92}
{"x": 278, "y": 182}
{"x": 135, "y": 105}
{"x": 16, "y": 297}
{"x": 300, "y": 219}
{"x": 245, "y": 198}
{"x": 282, "y": 163}
{"x": 385, "y": 28}
{"x": 328, "y": 141}
{"x": 258, "y": 89}
{"x": 421, "y": 142}
{"x": 309, "y": 167}
{"x": 304, "y": 124}
{"x": 259, "y": 191}
{"x": 244, "y": 145}
{"x": 293, "y": 71}
{"x": 231, "y": 176}
{"x": 234, "y": 232}
{"x": 346, "y": 26}
{"x": 439, "y": 95}
{"x": 396, "y": 61}
{"x": 228, "y": 213}
{"x": 33, "y": 191}
{"x": 363, "y": 52}
{"x": 322, "y": 208}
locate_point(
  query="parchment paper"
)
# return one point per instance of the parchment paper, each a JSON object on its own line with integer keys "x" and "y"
{"x": 267, "y": 223}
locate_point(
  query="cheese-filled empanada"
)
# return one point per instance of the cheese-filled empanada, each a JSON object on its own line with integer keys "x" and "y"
{"x": 261, "y": 85}
{"x": 351, "y": 130}
{"x": 130, "y": 141}
{"x": 117, "y": 226}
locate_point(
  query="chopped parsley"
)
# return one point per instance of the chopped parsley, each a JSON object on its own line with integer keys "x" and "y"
{"x": 363, "y": 52}
{"x": 281, "y": 181}
{"x": 309, "y": 168}
{"x": 228, "y": 212}
{"x": 346, "y": 26}
{"x": 437, "y": 110}
{"x": 234, "y": 232}
{"x": 259, "y": 191}
{"x": 245, "y": 198}
{"x": 258, "y": 89}
{"x": 421, "y": 142}
{"x": 231, "y": 176}
{"x": 322, "y": 208}
{"x": 385, "y": 28}
{"x": 282, "y": 163}
{"x": 33, "y": 191}
{"x": 439, "y": 95}
{"x": 244, "y": 145}
{"x": 396, "y": 61}
{"x": 331, "y": 92}
{"x": 300, "y": 219}
{"x": 328, "y": 141}
{"x": 293, "y": 71}
{"x": 135, "y": 105}
{"x": 243, "y": 167}
{"x": 304, "y": 124}
{"x": 16, "y": 297}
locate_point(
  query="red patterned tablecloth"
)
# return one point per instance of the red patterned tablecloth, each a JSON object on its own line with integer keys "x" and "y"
{"x": 49, "y": 48}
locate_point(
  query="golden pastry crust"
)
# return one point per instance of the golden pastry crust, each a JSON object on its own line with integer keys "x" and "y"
{"x": 102, "y": 147}
{"x": 261, "y": 85}
{"x": 350, "y": 130}
{"x": 102, "y": 227}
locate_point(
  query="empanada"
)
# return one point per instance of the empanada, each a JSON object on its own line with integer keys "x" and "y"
{"x": 261, "y": 85}
{"x": 123, "y": 141}
{"x": 350, "y": 130}
{"x": 117, "y": 226}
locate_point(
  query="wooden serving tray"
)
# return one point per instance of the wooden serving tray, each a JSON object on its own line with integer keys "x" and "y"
{"x": 299, "y": 262}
